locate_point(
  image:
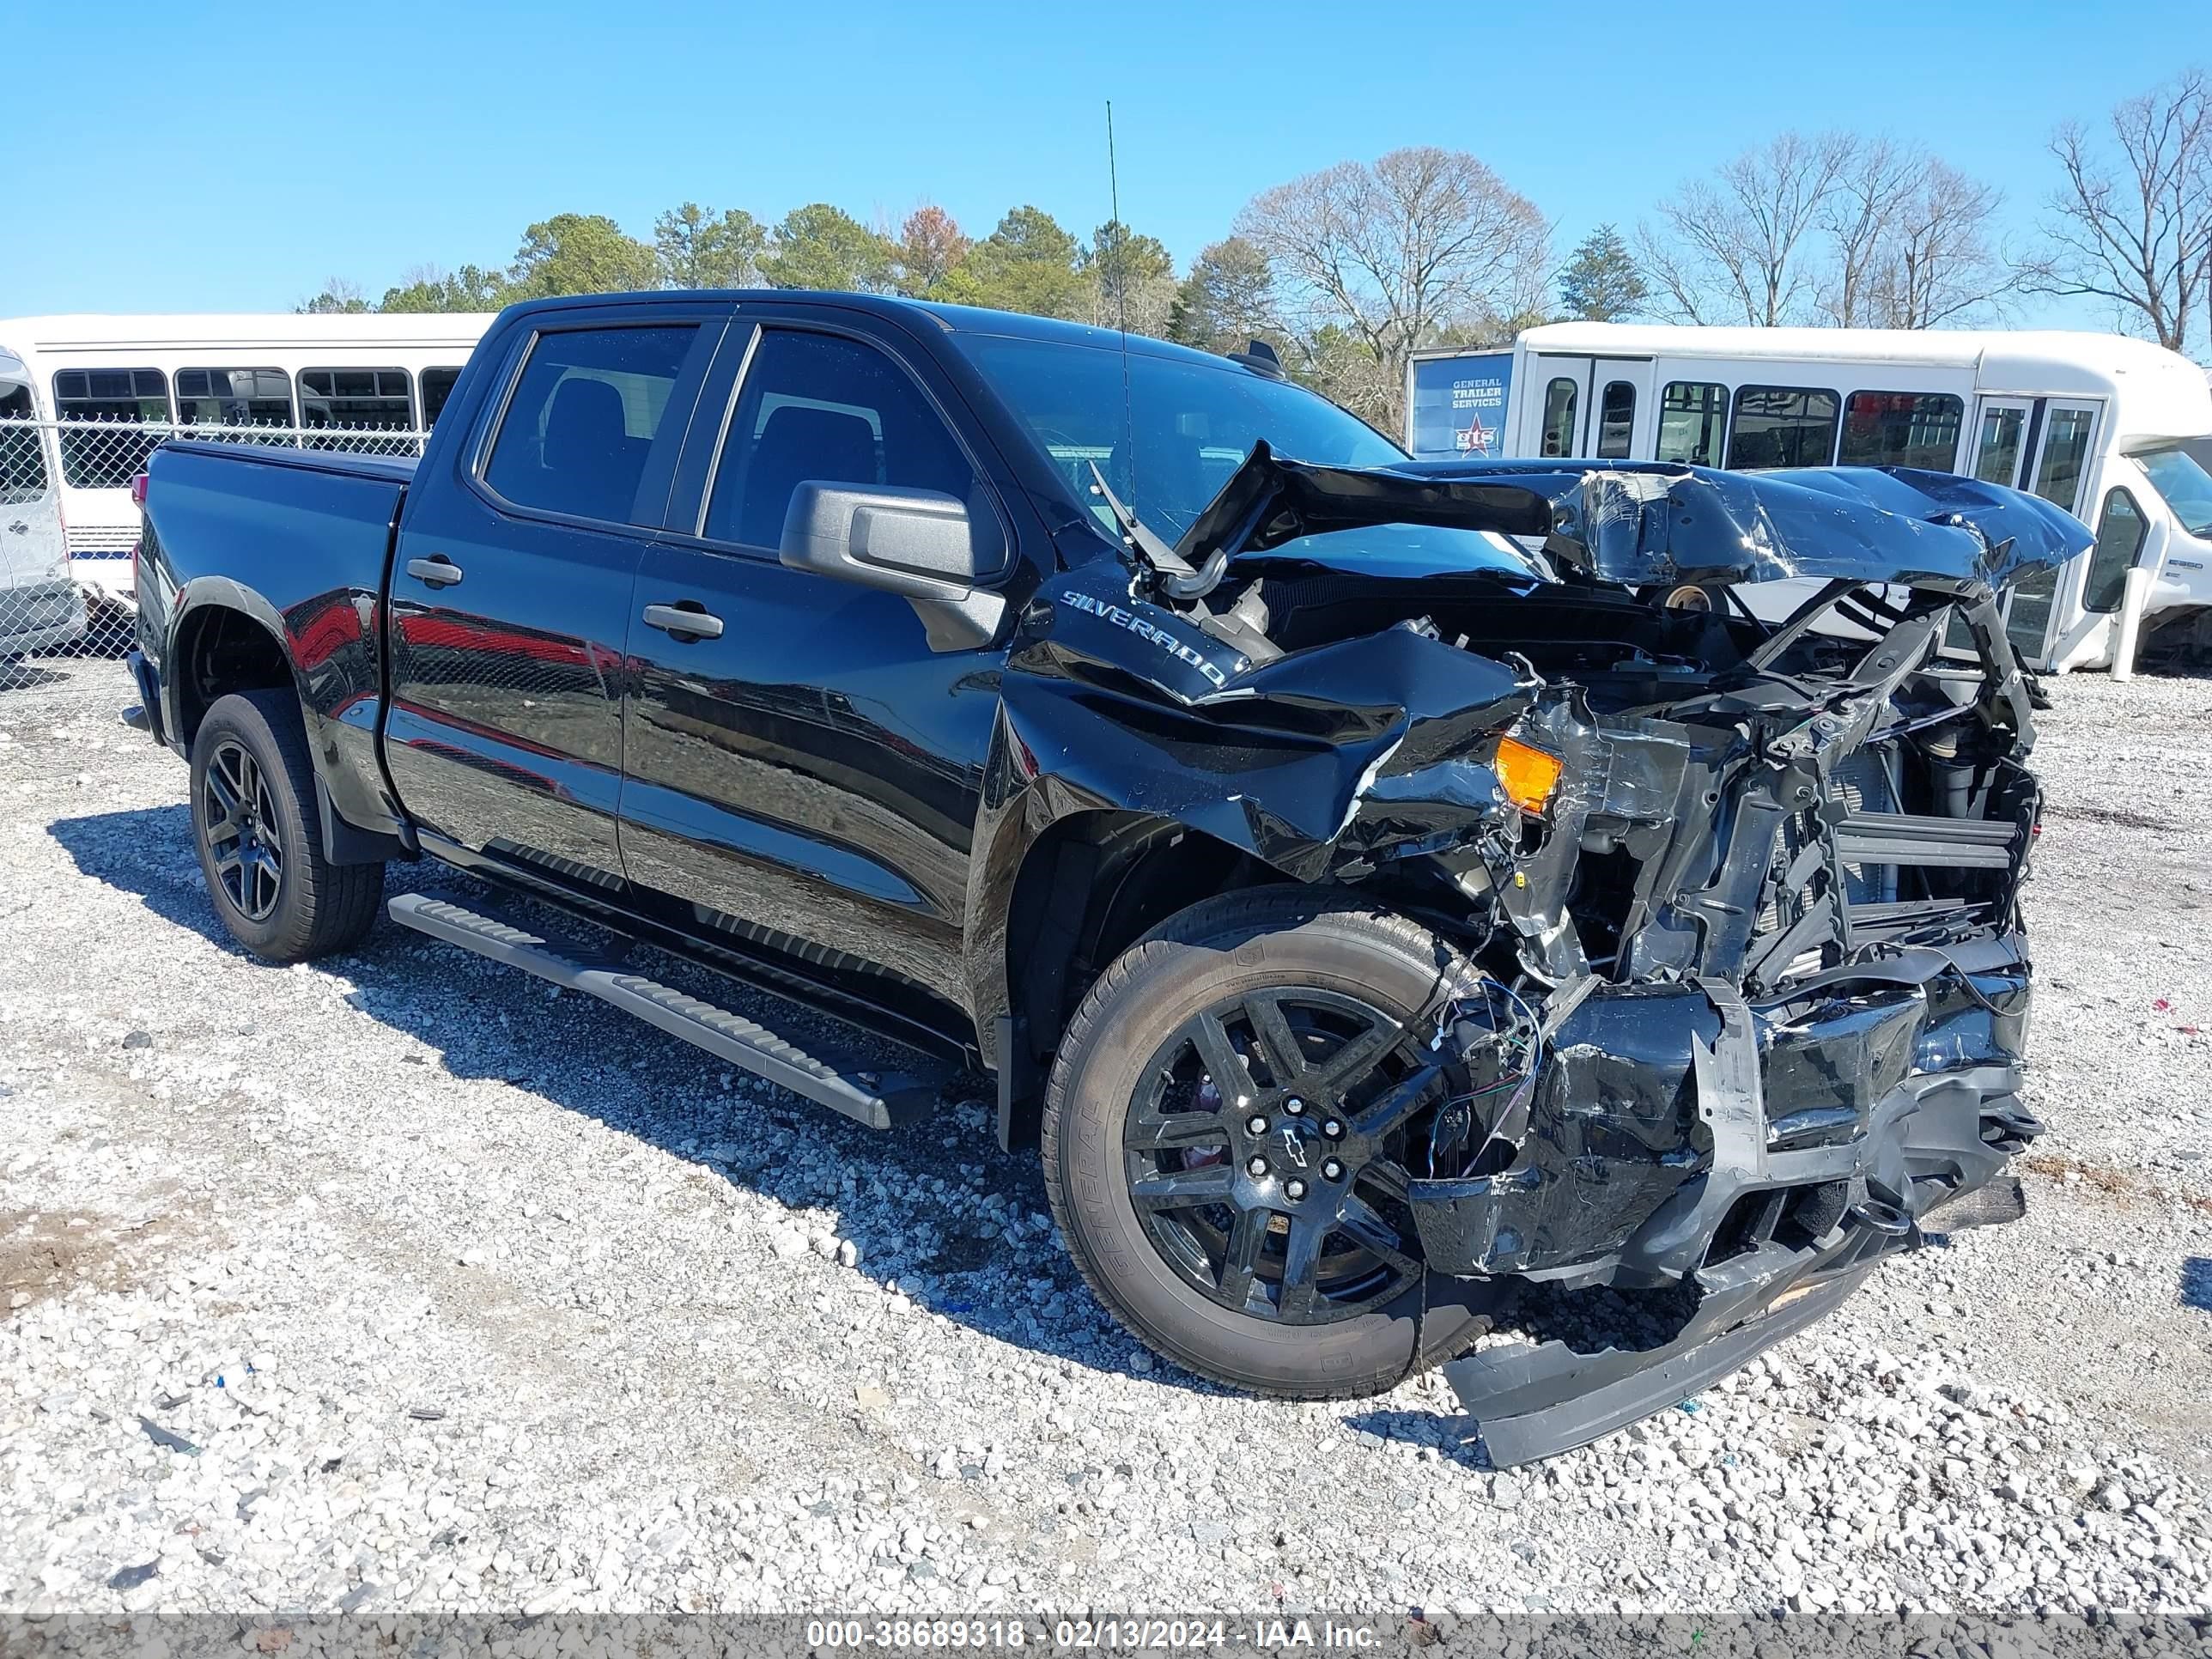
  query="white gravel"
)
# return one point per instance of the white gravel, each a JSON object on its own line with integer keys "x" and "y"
{"x": 397, "y": 1284}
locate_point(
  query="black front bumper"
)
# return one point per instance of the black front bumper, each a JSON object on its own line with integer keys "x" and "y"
{"x": 1765, "y": 1154}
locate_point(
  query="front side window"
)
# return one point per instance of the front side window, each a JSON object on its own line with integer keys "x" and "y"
{"x": 2183, "y": 483}
{"x": 1782, "y": 426}
{"x": 126, "y": 398}
{"x": 1616, "y": 421}
{"x": 1559, "y": 399}
{"x": 583, "y": 418}
{"x": 1902, "y": 428}
{"x": 234, "y": 397}
{"x": 821, "y": 408}
{"x": 355, "y": 399}
{"x": 23, "y": 464}
{"x": 2065, "y": 448}
{"x": 437, "y": 386}
{"x": 2121, "y": 528}
{"x": 1693, "y": 414}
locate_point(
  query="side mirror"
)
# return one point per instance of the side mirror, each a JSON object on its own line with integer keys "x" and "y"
{"x": 916, "y": 543}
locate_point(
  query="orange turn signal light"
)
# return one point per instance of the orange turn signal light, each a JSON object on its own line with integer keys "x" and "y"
{"x": 1527, "y": 775}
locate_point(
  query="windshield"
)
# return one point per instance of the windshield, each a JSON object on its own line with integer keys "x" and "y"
{"x": 2182, "y": 484}
{"x": 1194, "y": 423}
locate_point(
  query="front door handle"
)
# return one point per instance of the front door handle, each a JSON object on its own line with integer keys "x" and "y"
{"x": 680, "y": 620}
{"x": 438, "y": 570}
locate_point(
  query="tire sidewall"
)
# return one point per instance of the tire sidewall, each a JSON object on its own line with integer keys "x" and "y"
{"x": 1339, "y": 951}
{"x": 237, "y": 718}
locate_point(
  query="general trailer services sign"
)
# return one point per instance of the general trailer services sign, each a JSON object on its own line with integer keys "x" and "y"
{"x": 1459, "y": 406}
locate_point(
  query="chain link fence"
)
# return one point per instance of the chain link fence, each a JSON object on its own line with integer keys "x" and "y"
{"x": 68, "y": 523}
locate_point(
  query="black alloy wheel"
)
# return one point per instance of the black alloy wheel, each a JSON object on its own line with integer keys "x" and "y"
{"x": 1265, "y": 1154}
{"x": 238, "y": 817}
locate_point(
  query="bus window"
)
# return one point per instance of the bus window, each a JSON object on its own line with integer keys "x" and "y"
{"x": 234, "y": 397}
{"x": 1996, "y": 458}
{"x": 2065, "y": 447}
{"x": 2120, "y": 531}
{"x": 362, "y": 399}
{"x": 1782, "y": 426}
{"x": 1902, "y": 428}
{"x": 1559, "y": 417}
{"x": 437, "y": 386}
{"x": 104, "y": 460}
{"x": 1691, "y": 415}
{"x": 1616, "y": 420}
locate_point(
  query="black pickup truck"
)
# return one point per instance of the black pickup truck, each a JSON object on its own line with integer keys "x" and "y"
{"x": 1373, "y": 884}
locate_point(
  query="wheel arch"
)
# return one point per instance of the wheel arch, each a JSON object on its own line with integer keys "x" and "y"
{"x": 225, "y": 638}
{"x": 1090, "y": 885}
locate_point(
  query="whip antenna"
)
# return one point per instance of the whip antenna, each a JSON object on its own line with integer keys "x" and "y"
{"x": 1122, "y": 304}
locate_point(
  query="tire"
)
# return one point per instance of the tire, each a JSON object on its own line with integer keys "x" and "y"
{"x": 307, "y": 907}
{"x": 1306, "y": 944}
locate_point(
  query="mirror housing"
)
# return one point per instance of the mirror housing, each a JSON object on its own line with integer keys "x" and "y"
{"x": 915, "y": 542}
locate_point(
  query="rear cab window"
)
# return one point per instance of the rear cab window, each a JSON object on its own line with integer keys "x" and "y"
{"x": 580, "y": 423}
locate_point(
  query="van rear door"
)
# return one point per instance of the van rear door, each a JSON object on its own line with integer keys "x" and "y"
{"x": 39, "y": 606}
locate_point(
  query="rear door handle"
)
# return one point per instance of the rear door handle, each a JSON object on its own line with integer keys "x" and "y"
{"x": 438, "y": 570}
{"x": 678, "y": 620}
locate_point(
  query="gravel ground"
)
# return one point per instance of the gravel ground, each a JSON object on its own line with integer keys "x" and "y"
{"x": 398, "y": 1283}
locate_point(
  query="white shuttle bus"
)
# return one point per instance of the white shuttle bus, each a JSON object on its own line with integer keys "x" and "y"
{"x": 104, "y": 390}
{"x": 40, "y": 607}
{"x": 2101, "y": 424}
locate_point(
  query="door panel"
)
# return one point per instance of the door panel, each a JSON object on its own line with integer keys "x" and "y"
{"x": 814, "y": 774}
{"x": 2055, "y": 460}
{"x": 1558, "y": 406}
{"x": 810, "y": 778}
{"x": 510, "y": 604}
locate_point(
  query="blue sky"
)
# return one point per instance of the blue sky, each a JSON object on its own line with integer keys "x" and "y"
{"x": 233, "y": 157}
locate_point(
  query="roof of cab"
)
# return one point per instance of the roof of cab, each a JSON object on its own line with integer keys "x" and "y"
{"x": 952, "y": 319}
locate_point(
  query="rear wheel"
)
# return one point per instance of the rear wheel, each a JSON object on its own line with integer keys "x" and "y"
{"x": 260, "y": 841}
{"x": 1227, "y": 1138}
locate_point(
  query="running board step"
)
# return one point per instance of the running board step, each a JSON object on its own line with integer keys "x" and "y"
{"x": 879, "y": 1102}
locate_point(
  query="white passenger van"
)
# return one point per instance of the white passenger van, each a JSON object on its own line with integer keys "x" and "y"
{"x": 2098, "y": 423}
{"x": 40, "y": 607}
{"x": 109, "y": 388}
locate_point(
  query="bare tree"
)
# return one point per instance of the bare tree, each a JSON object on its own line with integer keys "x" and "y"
{"x": 1389, "y": 254}
{"x": 1937, "y": 264}
{"x": 2136, "y": 228}
{"x": 1736, "y": 247}
{"x": 1876, "y": 178}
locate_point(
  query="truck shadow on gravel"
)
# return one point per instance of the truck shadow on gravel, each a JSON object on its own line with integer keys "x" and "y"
{"x": 1002, "y": 1274}
{"x": 999, "y": 1273}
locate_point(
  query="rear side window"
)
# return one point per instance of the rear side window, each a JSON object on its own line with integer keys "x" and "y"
{"x": 820, "y": 408}
{"x": 1782, "y": 426}
{"x": 1902, "y": 428}
{"x": 125, "y": 397}
{"x": 1693, "y": 415}
{"x": 437, "y": 387}
{"x": 234, "y": 397}
{"x": 23, "y": 464}
{"x": 582, "y": 423}
{"x": 357, "y": 399}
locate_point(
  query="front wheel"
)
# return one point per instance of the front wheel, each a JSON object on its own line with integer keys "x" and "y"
{"x": 260, "y": 843}
{"x": 1227, "y": 1136}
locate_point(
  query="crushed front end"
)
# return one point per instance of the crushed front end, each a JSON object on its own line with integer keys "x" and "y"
{"x": 1753, "y": 987}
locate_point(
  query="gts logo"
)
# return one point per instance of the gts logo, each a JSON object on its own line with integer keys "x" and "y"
{"x": 1145, "y": 631}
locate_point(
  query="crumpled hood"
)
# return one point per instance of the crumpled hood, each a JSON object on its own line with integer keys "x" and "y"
{"x": 1641, "y": 522}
